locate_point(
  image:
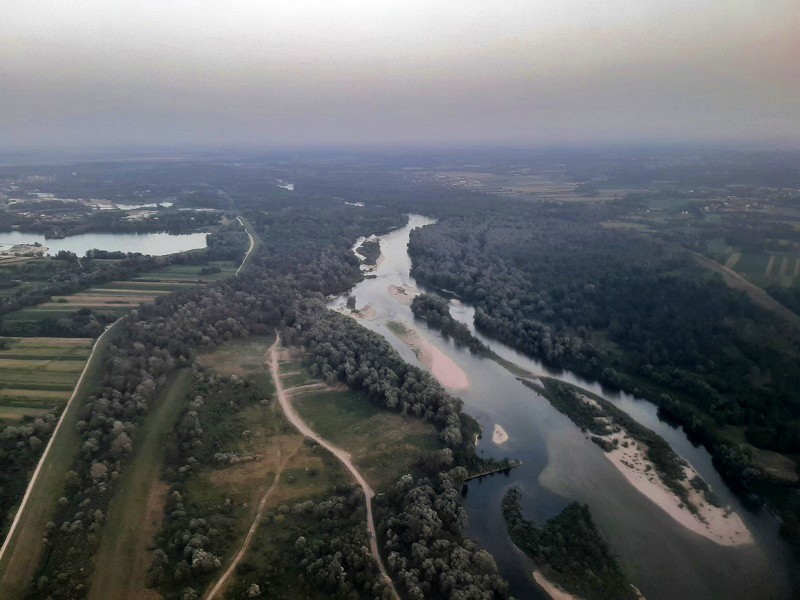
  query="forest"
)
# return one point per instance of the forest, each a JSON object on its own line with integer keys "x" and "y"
{"x": 635, "y": 314}
{"x": 284, "y": 289}
{"x": 569, "y": 550}
{"x": 629, "y": 310}
{"x": 436, "y": 312}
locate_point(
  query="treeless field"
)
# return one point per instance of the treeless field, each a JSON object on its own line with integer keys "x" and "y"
{"x": 48, "y": 342}
{"x": 770, "y": 264}
{"x": 27, "y": 393}
{"x": 122, "y": 558}
{"x": 733, "y": 259}
{"x": 384, "y": 444}
{"x": 15, "y": 413}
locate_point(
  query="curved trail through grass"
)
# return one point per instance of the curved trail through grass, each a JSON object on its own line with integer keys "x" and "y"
{"x": 223, "y": 581}
{"x": 252, "y": 243}
{"x": 340, "y": 454}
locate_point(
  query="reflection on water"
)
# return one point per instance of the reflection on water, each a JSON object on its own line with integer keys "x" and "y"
{"x": 663, "y": 559}
{"x": 157, "y": 244}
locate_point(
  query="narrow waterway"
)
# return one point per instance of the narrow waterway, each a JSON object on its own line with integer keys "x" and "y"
{"x": 664, "y": 559}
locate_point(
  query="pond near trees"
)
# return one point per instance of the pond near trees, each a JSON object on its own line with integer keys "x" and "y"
{"x": 156, "y": 244}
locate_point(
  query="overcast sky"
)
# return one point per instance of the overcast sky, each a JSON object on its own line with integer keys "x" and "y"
{"x": 298, "y": 72}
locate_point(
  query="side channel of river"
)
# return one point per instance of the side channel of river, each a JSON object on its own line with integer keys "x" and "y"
{"x": 663, "y": 559}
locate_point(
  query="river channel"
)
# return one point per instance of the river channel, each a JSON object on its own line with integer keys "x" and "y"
{"x": 663, "y": 559}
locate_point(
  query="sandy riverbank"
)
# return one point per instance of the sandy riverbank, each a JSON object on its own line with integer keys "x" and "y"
{"x": 552, "y": 590}
{"x": 404, "y": 294}
{"x": 716, "y": 523}
{"x": 441, "y": 366}
{"x": 365, "y": 313}
{"x": 499, "y": 436}
{"x": 370, "y": 267}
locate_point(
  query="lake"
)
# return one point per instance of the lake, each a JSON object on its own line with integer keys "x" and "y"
{"x": 156, "y": 244}
{"x": 662, "y": 558}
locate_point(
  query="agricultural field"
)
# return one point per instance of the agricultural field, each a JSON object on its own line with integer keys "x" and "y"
{"x": 540, "y": 185}
{"x": 117, "y": 298}
{"x": 767, "y": 269}
{"x": 39, "y": 374}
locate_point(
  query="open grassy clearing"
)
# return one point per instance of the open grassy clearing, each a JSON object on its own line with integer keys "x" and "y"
{"x": 190, "y": 273}
{"x": 134, "y": 515}
{"x": 383, "y": 444}
{"x": 239, "y": 357}
{"x": 19, "y": 563}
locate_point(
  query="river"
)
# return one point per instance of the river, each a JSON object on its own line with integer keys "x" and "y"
{"x": 663, "y": 559}
{"x": 156, "y": 244}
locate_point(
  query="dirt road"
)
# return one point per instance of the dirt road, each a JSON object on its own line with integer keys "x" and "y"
{"x": 252, "y": 244}
{"x": 223, "y": 581}
{"x": 340, "y": 454}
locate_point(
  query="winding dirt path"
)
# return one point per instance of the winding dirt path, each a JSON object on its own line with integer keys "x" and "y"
{"x": 222, "y": 582}
{"x": 252, "y": 244}
{"x": 340, "y": 454}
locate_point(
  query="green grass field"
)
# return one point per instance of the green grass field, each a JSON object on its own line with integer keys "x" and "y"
{"x": 39, "y": 374}
{"x": 384, "y": 444}
{"x": 778, "y": 269}
{"x": 19, "y": 564}
{"x": 118, "y": 298}
{"x": 122, "y": 558}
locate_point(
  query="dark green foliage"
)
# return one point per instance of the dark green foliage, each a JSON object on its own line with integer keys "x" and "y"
{"x": 317, "y": 548}
{"x": 436, "y": 312}
{"x": 634, "y": 313}
{"x": 196, "y": 533}
{"x": 422, "y": 522}
{"x": 370, "y": 250}
{"x": 569, "y": 550}
{"x": 343, "y": 350}
{"x": 21, "y": 445}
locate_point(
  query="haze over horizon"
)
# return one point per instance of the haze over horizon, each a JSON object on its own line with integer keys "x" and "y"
{"x": 364, "y": 73}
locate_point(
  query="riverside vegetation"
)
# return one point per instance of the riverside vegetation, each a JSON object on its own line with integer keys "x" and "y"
{"x": 164, "y": 336}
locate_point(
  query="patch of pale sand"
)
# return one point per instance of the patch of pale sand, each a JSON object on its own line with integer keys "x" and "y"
{"x": 404, "y": 294}
{"x": 550, "y": 588}
{"x": 441, "y": 366}
{"x": 590, "y": 401}
{"x": 365, "y": 313}
{"x": 718, "y": 524}
{"x": 499, "y": 436}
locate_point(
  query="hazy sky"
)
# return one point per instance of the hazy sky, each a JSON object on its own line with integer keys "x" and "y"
{"x": 270, "y": 72}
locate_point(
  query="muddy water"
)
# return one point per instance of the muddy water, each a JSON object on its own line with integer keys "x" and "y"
{"x": 663, "y": 559}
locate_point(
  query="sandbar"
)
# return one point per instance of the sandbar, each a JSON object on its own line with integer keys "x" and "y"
{"x": 719, "y": 524}
{"x": 552, "y": 590}
{"x": 404, "y": 294}
{"x": 441, "y": 366}
{"x": 365, "y": 313}
{"x": 499, "y": 436}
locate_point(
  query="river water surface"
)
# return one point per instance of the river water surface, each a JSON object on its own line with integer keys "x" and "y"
{"x": 663, "y": 559}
